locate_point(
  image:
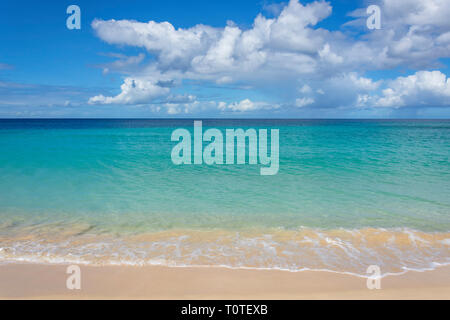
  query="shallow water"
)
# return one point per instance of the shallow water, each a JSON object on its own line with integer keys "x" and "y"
{"x": 348, "y": 194}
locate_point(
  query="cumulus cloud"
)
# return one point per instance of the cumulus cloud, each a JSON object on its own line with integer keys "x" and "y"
{"x": 289, "y": 56}
{"x": 422, "y": 88}
{"x": 133, "y": 91}
{"x": 328, "y": 56}
{"x": 342, "y": 90}
{"x": 245, "y": 106}
{"x": 305, "y": 89}
{"x": 361, "y": 83}
{"x": 204, "y": 50}
{"x": 177, "y": 108}
{"x": 410, "y": 35}
{"x": 303, "y": 102}
{"x": 417, "y": 12}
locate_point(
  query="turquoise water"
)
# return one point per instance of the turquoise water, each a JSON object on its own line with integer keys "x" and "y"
{"x": 113, "y": 181}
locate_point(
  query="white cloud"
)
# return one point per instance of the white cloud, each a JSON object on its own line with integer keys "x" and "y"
{"x": 412, "y": 35}
{"x": 173, "y": 47}
{"x": 444, "y": 38}
{"x": 278, "y": 53}
{"x": 305, "y": 89}
{"x": 187, "y": 98}
{"x": 303, "y": 102}
{"x": 342, "y": 90}
{"x": 422, "y": 88}
{"x": 327, "y": 55}
{"x": 177, "y": 108}
{"x": 245, "y": 106}
{"x": 133, "y": 91}
{"x": 221, "y": 52}
{"x": 418, "y": 12}
{"x": 362, "y": 83}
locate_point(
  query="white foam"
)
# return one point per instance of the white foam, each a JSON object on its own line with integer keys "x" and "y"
{"x": 331, "y": 254}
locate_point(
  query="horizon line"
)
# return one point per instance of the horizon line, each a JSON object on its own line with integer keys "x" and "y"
{"x": 206, "y": 118}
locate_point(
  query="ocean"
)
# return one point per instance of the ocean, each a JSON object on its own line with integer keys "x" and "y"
{"x": 348, "y": 194}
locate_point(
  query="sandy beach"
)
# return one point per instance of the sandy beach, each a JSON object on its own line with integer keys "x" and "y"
{"x": 221, "y": 150}
{"x": 33, "y": 281}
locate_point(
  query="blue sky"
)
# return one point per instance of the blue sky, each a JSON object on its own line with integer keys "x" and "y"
{"x": 292, "y": 59}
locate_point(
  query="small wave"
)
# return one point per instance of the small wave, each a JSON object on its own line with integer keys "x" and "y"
{"x": 395, "y": 251}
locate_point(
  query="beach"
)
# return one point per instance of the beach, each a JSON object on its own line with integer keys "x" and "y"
{"x": 177, "y": 150}
{"x": 105, "y": 195}
{"x": 37, "y": 281}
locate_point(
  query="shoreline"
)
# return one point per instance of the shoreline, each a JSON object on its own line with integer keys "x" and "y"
{"x": 306, "y": 249}
{"x": 40, "y": 281}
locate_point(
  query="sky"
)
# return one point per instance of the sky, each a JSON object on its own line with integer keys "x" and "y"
{"x": 225, "y": 59}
